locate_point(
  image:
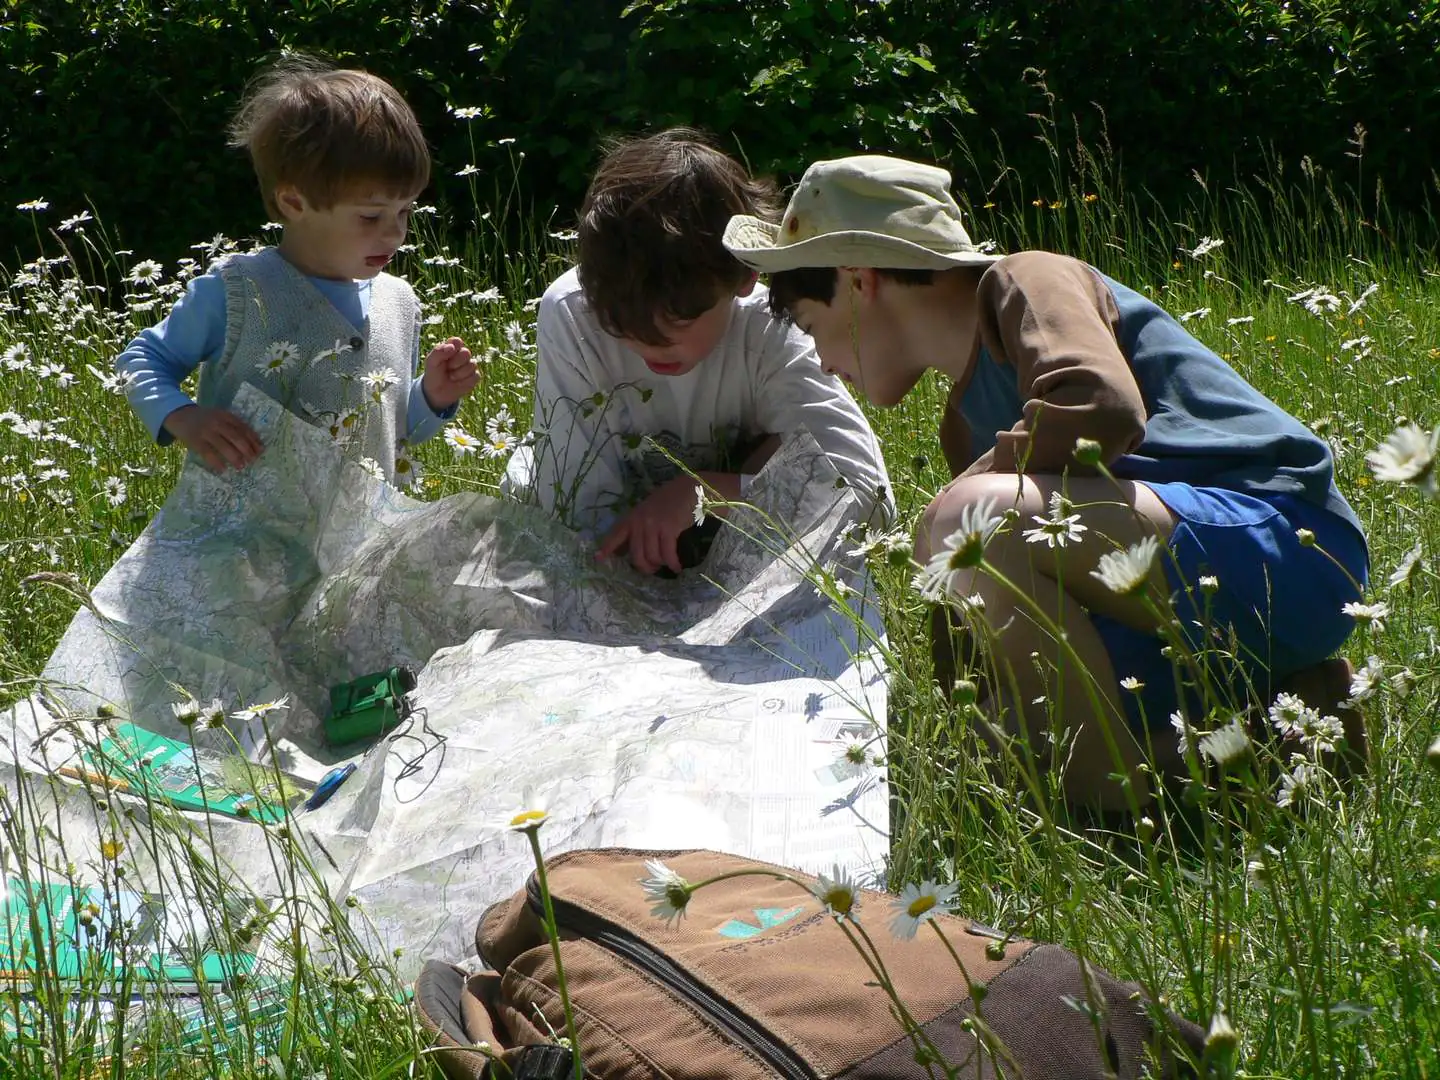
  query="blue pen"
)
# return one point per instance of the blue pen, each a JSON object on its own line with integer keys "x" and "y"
{"x": 328, "y": 785}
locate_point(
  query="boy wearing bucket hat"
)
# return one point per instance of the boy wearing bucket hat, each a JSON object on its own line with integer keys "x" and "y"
{"x": 1139, "y": 464}
{"x": 658, "y": 351}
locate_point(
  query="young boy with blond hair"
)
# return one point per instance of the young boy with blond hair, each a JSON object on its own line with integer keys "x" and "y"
{"x": 314, "y": 322}
{"x": 1104, "y": 460}
{"x": 657, "y": 354}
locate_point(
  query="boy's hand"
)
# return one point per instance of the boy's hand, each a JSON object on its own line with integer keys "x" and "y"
{"x": 652, "y": 528}
{"x": 450, "y": 374}
{"x": 219, "y": 436}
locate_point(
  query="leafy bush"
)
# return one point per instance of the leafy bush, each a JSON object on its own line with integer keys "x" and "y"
{"x": 123, "y": 102}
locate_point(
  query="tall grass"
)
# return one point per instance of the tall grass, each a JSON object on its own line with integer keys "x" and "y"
{"x": 1313, "y": 926}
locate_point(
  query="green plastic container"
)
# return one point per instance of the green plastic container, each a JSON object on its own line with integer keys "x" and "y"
{"x": 369, "y": 706}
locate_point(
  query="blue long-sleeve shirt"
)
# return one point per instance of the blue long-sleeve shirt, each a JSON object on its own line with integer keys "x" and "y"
{"x": 161, "y": 357}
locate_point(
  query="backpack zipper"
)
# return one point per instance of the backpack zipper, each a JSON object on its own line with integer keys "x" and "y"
{"x": 676, "y": 979}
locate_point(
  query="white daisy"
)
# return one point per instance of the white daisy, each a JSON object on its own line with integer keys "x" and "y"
{"x": 666, "y": 890}
{"x": 1126, "y": 572}
{"x": 1410, "y": 566}
{"x": 16, "y": 357}
{"x": 1407, "y": 456}
{"x": 1295, "y": 783}
{"x": 264, "y": 709}
{"x": 407, "y": 470}
{"x": 145, "y": 272}
{"x": 278, "y": 357}
{"x": 187, "y": 711}
{"x": 114, "y": 490}
{"x": 115, "y": 382}
{"x": 1207, "y": 244}
{"x": 1365, "y": 682}
{"x": 528, "y": 820}
{"x": 917, "y": 904}
{"x": 371, "y": 467}
{"x": 1182, "y": 732}
{"x": 1226, "y": 744}
{"x": 962, "y": 550}
{"x": 698, "y": 513}
{"x": 461, "y": 441}
{"x": 1372, "y": 615}
{"x": 1055, "y": 530}
{"x": 838, "y": 893}
{"x": 76, "y": 221}
{"x": 378, "y": 381}
{"x": 34, "y": 206}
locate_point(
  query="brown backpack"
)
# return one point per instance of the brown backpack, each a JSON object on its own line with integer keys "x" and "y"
{"x": 757, "y": 979}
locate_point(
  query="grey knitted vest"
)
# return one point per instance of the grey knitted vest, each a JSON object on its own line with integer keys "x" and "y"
{"x": 284, "y": 337}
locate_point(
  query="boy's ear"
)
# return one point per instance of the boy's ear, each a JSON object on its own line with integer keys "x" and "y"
{"x": 861, "y": 281}
{"x": 290, "y": 201}
{"x": 746, "y": 287}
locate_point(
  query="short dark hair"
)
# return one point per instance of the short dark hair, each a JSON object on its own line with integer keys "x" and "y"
{"x": 651, "y": 227}
{"x": 818, "y": 283}
{"x": 328, "y": 131}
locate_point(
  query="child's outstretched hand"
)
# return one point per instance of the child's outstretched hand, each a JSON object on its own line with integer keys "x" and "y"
{"x": 219, "y": 436}
{"x": 450, "y": 374}
{"x": 651, "y": 530}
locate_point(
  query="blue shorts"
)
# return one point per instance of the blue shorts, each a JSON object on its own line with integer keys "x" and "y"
{"x": 1276, "y": 610}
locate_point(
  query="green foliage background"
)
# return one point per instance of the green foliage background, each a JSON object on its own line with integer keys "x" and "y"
{"x": 122, "y": 104}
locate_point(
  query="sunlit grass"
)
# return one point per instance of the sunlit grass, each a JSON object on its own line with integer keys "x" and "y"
{"x": 1314, "y": 926}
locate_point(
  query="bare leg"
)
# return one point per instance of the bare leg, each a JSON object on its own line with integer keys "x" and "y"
{"x": 1044, "y": 639}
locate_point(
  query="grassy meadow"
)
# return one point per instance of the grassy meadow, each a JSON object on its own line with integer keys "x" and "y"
{"x": 1301, "y": 908}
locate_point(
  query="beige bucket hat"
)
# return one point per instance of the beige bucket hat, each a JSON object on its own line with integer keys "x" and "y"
{"x": 867, "y": 210}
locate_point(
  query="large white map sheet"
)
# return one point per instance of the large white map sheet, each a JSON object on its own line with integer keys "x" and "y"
{"x": 705, "y": 711}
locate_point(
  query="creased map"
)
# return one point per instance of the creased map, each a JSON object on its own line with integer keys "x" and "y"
{"x": 706, "y": 711}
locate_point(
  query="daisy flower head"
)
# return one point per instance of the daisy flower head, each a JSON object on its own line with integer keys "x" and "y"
{"x": 698, "y": 513}
{"x": 962, "y": 550}
{"x": 186, "y": 712}
{"x": 378, "y": 381}
{"x": 1407, "y": 456}
{"x": 1371, "y": 615}
{"x": 278, "y": 358}
{"x": 1182, "y": 731}
{"x": 528, "y": 820}
{"x": 666, "y": 890}
{"x": 499, "y": 434}
{"x": 917, "y": 904}
{"x": 264, "y": 709}
{"x": 1290, "y": 715}
{"x": 76, "y": 221}
{"x": 1366, "y": 682}
{"x": 113, "y": 382}
{"x": 1057, "y": 529}
{"x": 16, "y": 357}
{"x": 1302, "y": 779}
{"x": 460, "y": 440}
{"x": 1408, "y": 568}
{"x": 145, "y": 272}
{"x": 839, "y": 893}
{"x": 34, "y": 206}
{"x": 1126, "y": 572}
{"x": 407, "y": 470}
{"x": 371, "y": 468}
{"x": 114, "y": 490}
{"x": 1227, "y": 744}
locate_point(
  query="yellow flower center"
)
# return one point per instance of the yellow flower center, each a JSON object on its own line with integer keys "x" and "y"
{"x": 840, "y": 901}
{"x": 527, "y": 817}
{"x": 920, "y": 905}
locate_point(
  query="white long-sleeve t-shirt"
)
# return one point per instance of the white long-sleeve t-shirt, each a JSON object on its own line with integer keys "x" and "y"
{"x": 606, "y": 426}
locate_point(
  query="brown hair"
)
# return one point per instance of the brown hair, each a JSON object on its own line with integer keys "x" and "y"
{"x": 328, "y": 131}
{"x": 651, "y": 228}
{"x": 818, "y": 283}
